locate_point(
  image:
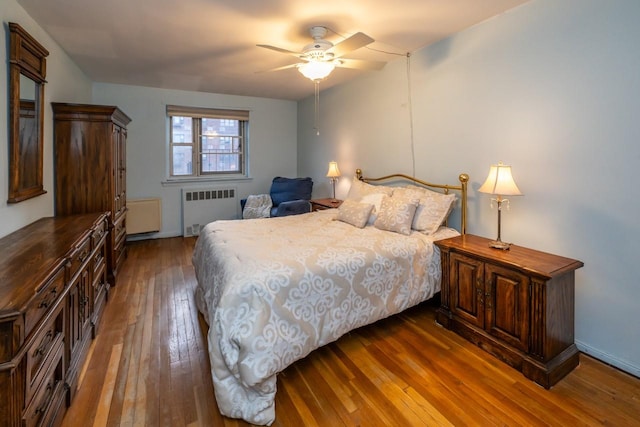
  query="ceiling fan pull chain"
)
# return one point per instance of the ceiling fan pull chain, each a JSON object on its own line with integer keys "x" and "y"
{"x": 317, "y": 107}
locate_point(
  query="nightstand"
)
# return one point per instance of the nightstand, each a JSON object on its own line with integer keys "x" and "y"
{"x": 516, "y": 304}
{"x": 322, "y": 204}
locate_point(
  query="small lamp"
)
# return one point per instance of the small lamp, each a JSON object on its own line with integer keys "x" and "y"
{"x": 500, "y": 183}
{"x": 333, "y": 173}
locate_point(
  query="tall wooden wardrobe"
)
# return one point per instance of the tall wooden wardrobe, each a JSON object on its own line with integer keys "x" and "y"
{"x": 90, "y": 169}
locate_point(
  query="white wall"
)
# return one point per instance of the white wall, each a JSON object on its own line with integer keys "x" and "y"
{"x": 65, "y": 83}
{"x": 552, "y": 88}
{"x": 272, "y": 142}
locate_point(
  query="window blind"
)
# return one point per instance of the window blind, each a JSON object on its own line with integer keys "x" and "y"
{"x": 200, "y": 112}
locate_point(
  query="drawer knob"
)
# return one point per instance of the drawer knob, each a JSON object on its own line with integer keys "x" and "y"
{"x": 45, "y": 303}
{"x": 83, "y": 255}
{"x": 45, "y": 344}
{"x": 40, "y": 409}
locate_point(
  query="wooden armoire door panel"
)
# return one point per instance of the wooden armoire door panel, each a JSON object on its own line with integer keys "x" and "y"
{"x": 122, "y": 168}
{"x": 115, "y": 193}
{"x": 467, "y": 298}
{"x": 119, "y": 171}
{"x": 82, "y": 167}
{"x": 507, "y": 305}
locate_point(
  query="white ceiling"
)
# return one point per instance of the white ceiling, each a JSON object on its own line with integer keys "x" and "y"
{"x": 210, "y": 45}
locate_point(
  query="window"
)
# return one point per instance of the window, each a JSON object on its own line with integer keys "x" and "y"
{"x": 207, "y": 142}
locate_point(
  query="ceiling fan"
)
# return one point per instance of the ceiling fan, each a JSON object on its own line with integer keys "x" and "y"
{"x": 321, "y": 56}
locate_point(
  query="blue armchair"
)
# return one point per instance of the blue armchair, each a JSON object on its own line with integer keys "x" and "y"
{"x": 290, "y": 196}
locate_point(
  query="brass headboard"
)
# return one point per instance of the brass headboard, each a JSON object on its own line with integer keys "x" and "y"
{"x": 444, "y": 188}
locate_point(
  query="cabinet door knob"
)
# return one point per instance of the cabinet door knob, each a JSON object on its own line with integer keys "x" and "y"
{"x": 480, "y": 295}
{"x": 488, "y": 298}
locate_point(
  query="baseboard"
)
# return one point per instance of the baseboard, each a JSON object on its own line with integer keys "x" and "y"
{"x": 148, "y": 236}
{"x": 623, "y": 365}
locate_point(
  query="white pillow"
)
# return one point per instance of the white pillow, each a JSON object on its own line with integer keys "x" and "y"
{"x": 359, "y": 189}
{"x": 354, "y": 213}
{"x": 396, "y": 214}
{"x": 433, "y": 210}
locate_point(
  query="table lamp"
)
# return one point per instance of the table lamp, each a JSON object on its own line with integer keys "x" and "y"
{"x": 500, "y": 183}
{"x": 333, "y": 173}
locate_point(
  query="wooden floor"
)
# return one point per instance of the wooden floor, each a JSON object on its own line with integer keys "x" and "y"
{"x": 149, "y": 367}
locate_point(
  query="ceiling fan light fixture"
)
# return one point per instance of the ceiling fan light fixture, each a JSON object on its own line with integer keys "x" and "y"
{"x": 321, "y": 57}
{"x": 316, "y": 70}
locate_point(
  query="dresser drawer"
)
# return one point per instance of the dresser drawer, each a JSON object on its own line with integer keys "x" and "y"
{"x": 99, "y": 280}
{"x": 100, "y": 293}
{"x": 79, "y": 255}
{"x": 99, "y": 258}
{"x": 119, "y": 228}
{"x": 119, "y": 254}
{"x": 44, "y": 300}
{"x": 118, "y": 204}
{"x": 47, "y": 398}
{"x": 39, "y": 354}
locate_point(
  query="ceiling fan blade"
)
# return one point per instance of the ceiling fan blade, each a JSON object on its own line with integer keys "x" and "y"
{"x": 354, "y": 42}
{"x": 360, "y": 64}
{"x": 284, "y": 67}
{"x": 279, "y": 49}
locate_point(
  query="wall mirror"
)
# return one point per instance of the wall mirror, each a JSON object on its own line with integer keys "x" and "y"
{"x": 27, "y": 72}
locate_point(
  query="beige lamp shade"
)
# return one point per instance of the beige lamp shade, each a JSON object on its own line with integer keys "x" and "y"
{"x": 500, "y": 182}
{"x": 333, "y": 171}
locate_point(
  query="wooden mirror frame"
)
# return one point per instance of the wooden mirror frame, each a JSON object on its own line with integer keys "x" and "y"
{"x": 28, "y": 59}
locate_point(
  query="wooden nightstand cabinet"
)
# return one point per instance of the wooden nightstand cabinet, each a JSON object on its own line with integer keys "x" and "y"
{"x": 517, "y": 304}
{"x": 322, "y": 204}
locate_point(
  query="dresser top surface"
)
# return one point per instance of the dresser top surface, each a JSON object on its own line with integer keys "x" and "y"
{"x": 531, "y": 260}
{"x": 30, "y": 255}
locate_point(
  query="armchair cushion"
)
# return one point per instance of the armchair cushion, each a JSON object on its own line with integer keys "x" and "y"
{"x": 292, "y": 207}
{"x": 287, "y": 189}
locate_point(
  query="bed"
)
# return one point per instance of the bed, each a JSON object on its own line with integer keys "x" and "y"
{"x": 272, "y": 290}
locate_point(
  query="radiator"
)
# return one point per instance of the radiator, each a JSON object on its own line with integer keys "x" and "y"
{"x": 202, "y": 206}
{"x": 144, "y": 215}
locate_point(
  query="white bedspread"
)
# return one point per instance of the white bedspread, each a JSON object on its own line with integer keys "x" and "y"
{"x": 273, "y": 290}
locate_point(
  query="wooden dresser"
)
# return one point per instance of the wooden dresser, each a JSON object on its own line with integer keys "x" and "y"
{"x": 53, "y": 288}
{"x": 90, "y": 169}
{"x": 516, "y": 304}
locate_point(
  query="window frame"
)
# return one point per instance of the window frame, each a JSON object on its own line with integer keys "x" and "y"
{"x": 196, "y": 114}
